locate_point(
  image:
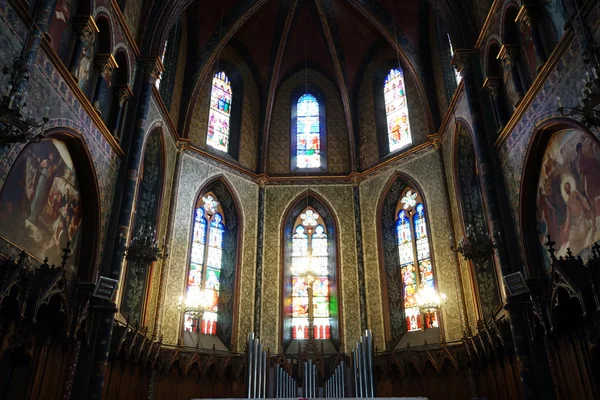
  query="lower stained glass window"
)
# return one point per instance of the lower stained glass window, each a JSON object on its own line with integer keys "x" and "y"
{"x": 202, "y": 295}
{"x": 415, "y": 259}
{"x": 309, "y": 245}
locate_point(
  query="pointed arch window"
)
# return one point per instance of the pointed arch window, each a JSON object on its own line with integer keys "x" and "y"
{"x": 310, "y": 245}
{"x": 205, "y": 265}
{"x": 220, "y": 112}
{"x": 308, "y": 149}
{"x": 414, "y": 251}
{"x": 396, "y": 110}
{"x": 457, "y": 75}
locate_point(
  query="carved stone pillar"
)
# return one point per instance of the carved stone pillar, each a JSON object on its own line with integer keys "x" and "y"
{"x": 122, "y": 95}
{"x": 86, "y": 36}
{"x": 106, "y": 63}
{"x": 516, "y": 314}
{"x": 105, "y": 310}
{"x": 528, "y": 17}
{"x": 510, "y": 54}
{"x": 493, "y": 86}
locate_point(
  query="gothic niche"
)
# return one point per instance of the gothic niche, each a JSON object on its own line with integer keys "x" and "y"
{"x": 147, "y": 211}
{"x": 40, "y": 205}
{"x": 488, "y": 292}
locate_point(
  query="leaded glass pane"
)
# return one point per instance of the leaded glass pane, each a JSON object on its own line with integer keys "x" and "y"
{"x": 396, "y": 109}
{"x": 220, "y": 111}
{"x": 308, "y": 139}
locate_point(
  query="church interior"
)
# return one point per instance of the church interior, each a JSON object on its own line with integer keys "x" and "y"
{"x": 300, "y": 199}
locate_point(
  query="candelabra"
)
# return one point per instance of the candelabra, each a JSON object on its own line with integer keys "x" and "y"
{"x": 428, "y": 299}
{"x": 589, "y": 99}
{"x": 478, "y": 245}
{"x": 144, "y": 247}
{"x": 16, "y": 123}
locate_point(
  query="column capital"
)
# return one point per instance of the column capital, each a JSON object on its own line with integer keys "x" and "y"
{"x": 87, "y": 28}
{"x": 509, "y": 53}
{"x": 124, "y": 93}
{"x": 492, "y": 85}
{"x": 528, "y": 14}
{"x": 461, "y": 60}
{"x": 153, "y": 68}
{"x": 106, "y": 63}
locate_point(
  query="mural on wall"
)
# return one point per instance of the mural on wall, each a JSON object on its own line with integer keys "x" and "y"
{"x": 40, "y": 206}
{"x": 473, "y": 214}
{"x": 146, "y": 212}
{"x": 568, "y": 194}
{"x": 555, "y": 14}
{"x": 85, "y": 67}
{"x": 61, "y": 27}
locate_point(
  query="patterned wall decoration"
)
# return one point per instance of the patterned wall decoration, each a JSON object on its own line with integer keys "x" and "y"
{"x": 425, "y": 168}
{"x": 179, "y": 74}
{"x": 278, "y": 199}
{"x": 147, "y": 211}
{"x": 132, "y": 14}
{"x": 48, "y": 87}
{"x": 250, "y": 112}
{"x": 195, "y": 173}
{"x": 368, "y": 152}
{"x": 465, "y": 269}
{"x": 280, "y": 134}
{"x": 473, "y": 215}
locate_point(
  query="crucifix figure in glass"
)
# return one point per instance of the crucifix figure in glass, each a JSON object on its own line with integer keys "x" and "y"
{"x": 310, "y": 277}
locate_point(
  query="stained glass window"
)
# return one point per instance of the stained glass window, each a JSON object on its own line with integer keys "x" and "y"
{"x": 414, "y": 253}
{"x": 456, "y": 73}
{"x": 205, "y": 266}
{"x": 162, "y": 60}
{"x": 396, "y": 110}
{"x": 308, "y": 133}
{"x": 309, "y": 244}
{"x": 220, "y": 113}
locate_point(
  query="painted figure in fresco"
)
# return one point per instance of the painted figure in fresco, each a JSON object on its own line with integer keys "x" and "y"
{"x": 589, "y": 172}
{"x": 62, "y": 15}
{"x": 577, "y": 225}
{"x": 46, "y": 168}
{"x": 548, "y": 212}
{"x": 83, "y": 70}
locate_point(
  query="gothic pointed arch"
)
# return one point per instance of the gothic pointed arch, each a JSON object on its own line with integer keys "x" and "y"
{"x": 213, "y": 263}
{"x": 406, "y": 262}
{"x": 50, "y": 198}
{"x": 563, "y": 159}
{"x": 310, "y": 231}
{"x": 136, "y": 280}
{"x": 471, "y": 210}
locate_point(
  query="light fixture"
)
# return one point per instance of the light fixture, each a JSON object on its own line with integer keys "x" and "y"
{"x": 144, "y": 247}
{"x": 195, "y": 301}
{"x": 477, "y": 245}
{"x": 16, "y": 122}
{"x": 428, "y": 299}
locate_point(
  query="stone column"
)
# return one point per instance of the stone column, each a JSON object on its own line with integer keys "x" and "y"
{"x": 493, "y": 86}
{"x": 122, "y": 95}
{"x": 262, "y": 181}
{"x": 528, "y": 18}
{"x": 106, "y": 310}
{"x": 515, "y": 309}
{"x": 360, "y": 257}
{"x": 105, "y": 63}
{"x": 86, "y": 36}
{"x": 510, "y": 54}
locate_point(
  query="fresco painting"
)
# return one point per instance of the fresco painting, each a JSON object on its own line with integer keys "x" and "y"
{"x": 40, "y": 205}
{"x": 61, "y": 27}
{"x": 568, "y": 193}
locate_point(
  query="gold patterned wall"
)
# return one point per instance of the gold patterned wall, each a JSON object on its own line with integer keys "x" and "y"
{"x": 179, "y": 74}
{"x": 425, "y": 168}
{"x": 277, "y": 201}
{"x": 195, "y": 173}
{"x": 280, "y": 133}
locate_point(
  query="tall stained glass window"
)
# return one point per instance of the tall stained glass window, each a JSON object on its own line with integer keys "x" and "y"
{"x": 396, "y": 110}
{"x": 309, "y": 244}
{"x": 308, "y": 132}
{"x": 220, "y": 113}
{"x": 457, "y": 75}
{"x": 162, "y": 60}
{"x": 415, "y": 258}
{"x": 205, "y": 265}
